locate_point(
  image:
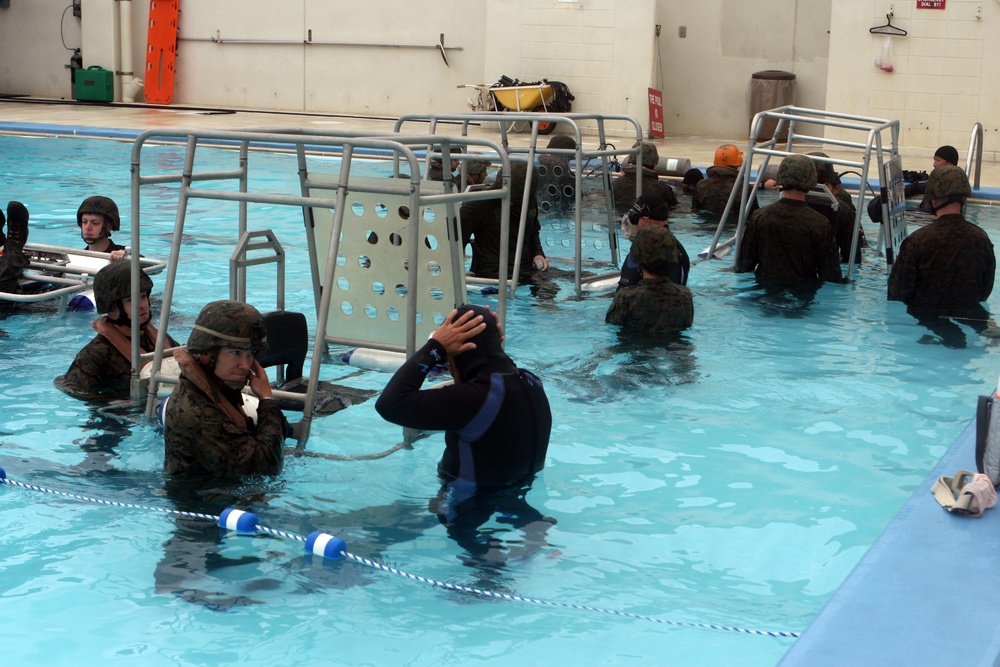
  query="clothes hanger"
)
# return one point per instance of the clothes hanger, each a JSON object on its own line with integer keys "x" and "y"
{"x": 888, "y": 28}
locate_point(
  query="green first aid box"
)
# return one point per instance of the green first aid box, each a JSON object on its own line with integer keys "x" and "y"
{"x": 95, "y": 84}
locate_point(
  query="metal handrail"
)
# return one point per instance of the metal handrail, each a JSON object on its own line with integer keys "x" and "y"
{"x": 572, "y": 122}
{"x": 788, "y": 117}
{"x": 975, "y": 147}
{"x": 234, "y": 186}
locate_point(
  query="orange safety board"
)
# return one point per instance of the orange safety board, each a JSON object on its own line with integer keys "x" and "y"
{"x": 161, "y": 51}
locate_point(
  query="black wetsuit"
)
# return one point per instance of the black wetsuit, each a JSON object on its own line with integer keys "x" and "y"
{"x": 496, "y": 419}
{"x": 112, "y": 246}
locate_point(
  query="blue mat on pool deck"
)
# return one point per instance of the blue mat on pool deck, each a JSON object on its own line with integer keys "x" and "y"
{"x": 926, "y": 593}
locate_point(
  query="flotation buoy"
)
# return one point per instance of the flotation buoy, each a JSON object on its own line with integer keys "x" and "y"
{"x": 168, "y": 366}
{"x": 250, "y": 403}
{"x": 84, "y": 301}
{"x": 374, "y": 360}
{"x": 602, "y": 285}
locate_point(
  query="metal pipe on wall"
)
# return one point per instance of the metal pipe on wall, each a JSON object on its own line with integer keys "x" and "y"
{"x": 131, "y": 85}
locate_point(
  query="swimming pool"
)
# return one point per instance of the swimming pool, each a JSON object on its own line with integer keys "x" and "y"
{"x": 733, "y": 478}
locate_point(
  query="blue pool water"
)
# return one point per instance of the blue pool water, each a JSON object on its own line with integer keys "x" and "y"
{"x": 733, "y": 478}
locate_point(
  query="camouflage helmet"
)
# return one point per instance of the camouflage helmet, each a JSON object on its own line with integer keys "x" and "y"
{"x": 476, "y": 167}
{"x": 114, "y": 282}
{"x": 100, "y": 206}
{"x": 654, "y": 245}
{"x": 947, "y": 182}
{"x": 649, "y": 156}
{"x": 796, "y": 172}
{"x": 228, "y": 324}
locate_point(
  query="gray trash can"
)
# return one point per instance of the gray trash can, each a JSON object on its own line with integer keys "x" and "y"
{"x": 770, "y": 89}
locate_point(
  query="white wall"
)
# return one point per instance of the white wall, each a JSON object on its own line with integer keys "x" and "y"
{"x": 706, "y": 74}
{"x": 604, "y": 50}
{"x": 32, "y": 57}
{"x": 945, "y": 71}
{"x": 601, "y": 49}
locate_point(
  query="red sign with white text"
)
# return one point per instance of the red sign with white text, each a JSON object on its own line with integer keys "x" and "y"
{"x": 930, "y": 4}
{"x": 655, "y": 113}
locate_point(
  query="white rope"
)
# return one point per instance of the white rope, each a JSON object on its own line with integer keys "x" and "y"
{"x": 414, "y": 577}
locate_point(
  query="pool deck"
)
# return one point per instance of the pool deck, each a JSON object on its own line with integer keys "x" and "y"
{"x": 121, "y": 121}
{"x": 926, "y": 591}
{"x": 924, "y": 594}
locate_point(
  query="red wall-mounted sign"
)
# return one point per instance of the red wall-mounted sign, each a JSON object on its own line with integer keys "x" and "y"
{"x": 655, "y": 113}
{"x": 930, "y": 4}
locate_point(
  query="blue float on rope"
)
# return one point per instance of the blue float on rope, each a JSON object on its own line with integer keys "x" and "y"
{"x": 84, "y": 301}
{"x": 238, "y": 520}
{"x": 325, "y": 545}
{"x": 3, "y": 474}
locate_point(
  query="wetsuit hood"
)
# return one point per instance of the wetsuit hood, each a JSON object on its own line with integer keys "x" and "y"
{"x": 488, "y": 357}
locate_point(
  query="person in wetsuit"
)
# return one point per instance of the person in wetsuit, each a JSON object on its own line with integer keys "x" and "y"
{"x": 496, "y": 420}
{"x": 12, "y": 258}
{"x": 495, "y": 416}
{"x": 647, "y": 212}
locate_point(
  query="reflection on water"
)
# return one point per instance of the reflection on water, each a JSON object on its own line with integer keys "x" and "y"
{"x": 679, "y": 471}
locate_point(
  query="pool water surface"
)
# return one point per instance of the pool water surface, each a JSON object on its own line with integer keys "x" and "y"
{"x": 731, "y": 477}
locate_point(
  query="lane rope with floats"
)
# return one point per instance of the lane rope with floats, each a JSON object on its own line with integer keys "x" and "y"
{"x": 332, "y": 547}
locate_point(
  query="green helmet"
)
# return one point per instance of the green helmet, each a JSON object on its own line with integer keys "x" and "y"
{"x": 100, "y": 206}
{"x": 948, "y": 182}
{"x": 114, "y": 282}
{"x": 796, "y": 172}
{"x": 654, "y": 245}
{"x": 228, "y": 324}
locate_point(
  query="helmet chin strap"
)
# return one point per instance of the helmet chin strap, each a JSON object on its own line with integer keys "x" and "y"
{"x": 124, "y": 320}
{"x": 948, "y": 201}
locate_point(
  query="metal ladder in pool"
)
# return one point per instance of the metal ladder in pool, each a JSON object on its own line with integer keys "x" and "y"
{"x": 792, "y": 119}
{"x": 337, "y": 209}
{"x": 975, "y": 149}
{"x": 582, "y": 156}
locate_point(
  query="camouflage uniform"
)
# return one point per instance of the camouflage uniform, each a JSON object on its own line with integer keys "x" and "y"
{"x": 207, "y": 433}
{"x": 623, "y": 189}
{"x": 100, "y": 370}
{"x": 654, "y": 305}
{"x": 657, "y": 304}
{"x": 103, "y": 368}
{"x": 947, "y": 264}
{"x": 788, "y": 242}
{"x": 712, "y": 193}
{"x": 481, "y": 228}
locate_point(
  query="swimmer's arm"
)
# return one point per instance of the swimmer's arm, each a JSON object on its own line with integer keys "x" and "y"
{"x": 445, "y": 408}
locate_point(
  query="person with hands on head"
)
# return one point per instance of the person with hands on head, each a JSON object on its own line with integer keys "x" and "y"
{"x": 495, "y": 416}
